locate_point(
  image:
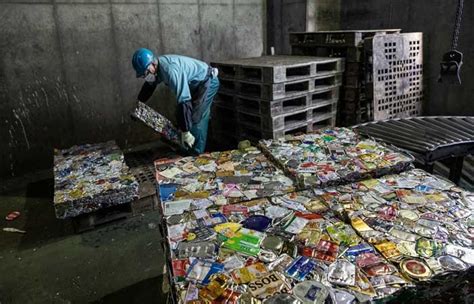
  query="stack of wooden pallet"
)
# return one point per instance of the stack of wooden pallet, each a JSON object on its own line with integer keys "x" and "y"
{"x": 270, "y": 96}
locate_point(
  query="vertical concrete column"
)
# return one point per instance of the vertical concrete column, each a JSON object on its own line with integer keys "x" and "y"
{"x": 283, "y": 17}
{"x": 323, "y": 15}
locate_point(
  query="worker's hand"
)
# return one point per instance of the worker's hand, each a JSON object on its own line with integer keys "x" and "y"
{"x": 187, "y": 139}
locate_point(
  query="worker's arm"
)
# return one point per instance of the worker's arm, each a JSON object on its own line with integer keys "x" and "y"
{"x": 147, "y": 90}
{"x": 178, "y": 83}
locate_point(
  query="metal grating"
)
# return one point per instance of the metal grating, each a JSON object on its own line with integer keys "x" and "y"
{"x": 144, "y": 174}
{"x": 434, "y": 137}
{"x": 141, "y": 165}
{"x": 397, "y": 66}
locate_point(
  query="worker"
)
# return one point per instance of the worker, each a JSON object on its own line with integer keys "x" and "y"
{"x": 194, "y": 84}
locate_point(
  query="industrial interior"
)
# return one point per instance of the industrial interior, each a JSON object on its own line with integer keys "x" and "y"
{"x": 236, "y": 151}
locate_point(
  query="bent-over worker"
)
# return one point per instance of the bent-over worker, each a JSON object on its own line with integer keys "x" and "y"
{"x": 193, "y": 82}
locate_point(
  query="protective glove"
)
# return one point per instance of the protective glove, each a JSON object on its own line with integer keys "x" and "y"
{"x": 187, "y": 139}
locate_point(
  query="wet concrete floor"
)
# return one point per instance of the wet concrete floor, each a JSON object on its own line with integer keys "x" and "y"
{"x": 121, "y": 262}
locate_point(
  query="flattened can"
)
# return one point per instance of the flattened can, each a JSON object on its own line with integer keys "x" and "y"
{"x": 415, "y": 269}
{"x": 282, "y": 298}
{"x": 311, "y": 292}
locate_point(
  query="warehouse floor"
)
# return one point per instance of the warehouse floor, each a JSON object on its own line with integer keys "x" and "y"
{"x": 119, "y": 263}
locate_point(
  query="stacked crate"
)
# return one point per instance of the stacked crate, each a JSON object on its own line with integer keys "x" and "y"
{"x": 355, "y": 105}
{"x": 395, "y": 62}
{"x": 270, "y": 96}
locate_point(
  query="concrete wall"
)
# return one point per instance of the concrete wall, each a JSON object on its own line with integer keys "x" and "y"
{"x": 323, "y": 15}
{"x": 283, "y": 17}
{"x": 65, "y": 71}
{"x": 435, "y": 19}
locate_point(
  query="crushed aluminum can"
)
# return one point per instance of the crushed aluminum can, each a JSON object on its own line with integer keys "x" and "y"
{"x": 282, "y": 299}
{"x": 342, "y": 272}
{"x": 196, "y": 250}
{"x": 12, "y": 215}
{"x": 451, "y": 263}
{"x": 300, "y": 268}
{"x": 415, "y": 269}
{"x": 268, "y": 285}
{"x": 311, "y": 292}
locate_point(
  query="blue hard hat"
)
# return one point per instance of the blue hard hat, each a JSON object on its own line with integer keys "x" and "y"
{"x": 141, "y": 60}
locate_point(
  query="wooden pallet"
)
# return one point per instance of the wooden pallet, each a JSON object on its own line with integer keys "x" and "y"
{"x": 350, "y": 54}
{"x": 89, "y": 221}
{"x": 277, "y": 69}
{"x": 256, "y": 106}
{"x": 270, "y": 92}
{"x": 342, "y": 38}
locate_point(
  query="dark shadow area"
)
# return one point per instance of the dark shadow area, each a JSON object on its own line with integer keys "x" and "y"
{"x": 108, "y": 233}
{"x": 450, "y": 288}
{"x": 41, "y": 223}
{"x": 146, "y": 291}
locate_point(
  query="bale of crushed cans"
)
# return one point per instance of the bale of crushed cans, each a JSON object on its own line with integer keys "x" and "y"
{"x": 421, "y": 223}
{"x": 219, "y": 178}
{"x": 91, "y": 177}
{"x": 158, "y": 123}
{"x": 367, "y": 240}
{"x": 266, "y": 248}
{"x": 333, "y": 157}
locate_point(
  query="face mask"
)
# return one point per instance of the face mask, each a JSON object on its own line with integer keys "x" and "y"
{"x": 150, "y": 77}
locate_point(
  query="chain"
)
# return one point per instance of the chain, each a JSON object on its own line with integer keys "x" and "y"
{"x": 457, "y": 25}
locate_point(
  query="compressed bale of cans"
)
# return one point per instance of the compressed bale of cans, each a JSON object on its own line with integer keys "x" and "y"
{"x": 91, "y": 177}
{"x": 333, "y": 156}
{"x": 219, "y": 178}
{"x": 372, "y": 239}
{"x": 290, "y": 247}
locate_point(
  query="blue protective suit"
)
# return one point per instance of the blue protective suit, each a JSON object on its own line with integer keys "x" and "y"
{"x": 194, "y": 85}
